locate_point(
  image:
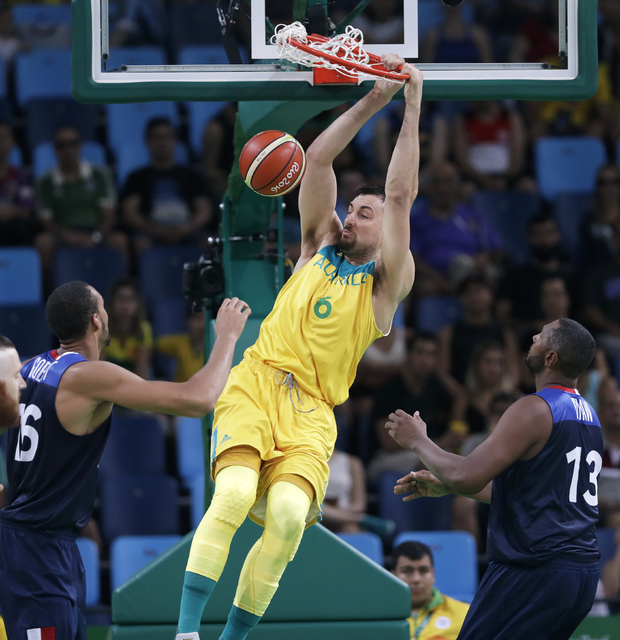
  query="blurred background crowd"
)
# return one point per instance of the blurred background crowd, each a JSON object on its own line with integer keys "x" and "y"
{"x": 517, "y": 223}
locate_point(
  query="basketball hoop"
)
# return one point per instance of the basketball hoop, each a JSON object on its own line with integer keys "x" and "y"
{"x": 343, "y": 53}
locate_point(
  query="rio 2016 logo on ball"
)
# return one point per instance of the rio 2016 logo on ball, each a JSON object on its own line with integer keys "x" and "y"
{"x": 272, "y": 163}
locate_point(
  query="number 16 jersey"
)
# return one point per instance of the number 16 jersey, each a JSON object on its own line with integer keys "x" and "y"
{"x": 547, "y": 507}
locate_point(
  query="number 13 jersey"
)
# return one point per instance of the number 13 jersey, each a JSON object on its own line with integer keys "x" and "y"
{"x": 547, "y": 507}
{"x": 320, "y": 325}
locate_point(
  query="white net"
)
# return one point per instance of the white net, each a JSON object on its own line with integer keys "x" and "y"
{"x": 346, "y": 46}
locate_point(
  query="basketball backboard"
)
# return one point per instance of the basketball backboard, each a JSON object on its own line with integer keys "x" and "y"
{"x": 202, "y": 72}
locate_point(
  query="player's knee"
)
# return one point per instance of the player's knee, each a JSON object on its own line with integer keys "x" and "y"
{"x": 288, "y": 509}
{"x": 232, "y": 503}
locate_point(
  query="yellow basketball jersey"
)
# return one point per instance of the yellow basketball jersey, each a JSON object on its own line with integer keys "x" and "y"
{"x": 320, "y": 325}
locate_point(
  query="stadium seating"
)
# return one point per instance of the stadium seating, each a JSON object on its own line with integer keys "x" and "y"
{"x": 169, "y": 316}
{"x": 183, "y": 20}
{"x": 365, "y": 542}
{"x": 136, "y": 444}
{"x": 45, "y": 115}
{"x": 567, "y": 164}
{"x": 455, "y": 558}
{"x": 42, "y": 15}
{"x": 44, "y": 158}
{"x": 203, "y": 54}
{"x": 20, "y": 275}
{"x": 99, "y": 266}
{"x": 190, "y": 451}
{"x": 42, "y": 73}
{"x": 417, "y": 515}
{"x": 135, "y": 55}
{"x": 127, "y": 122}
{"x": 27, "y": 327}
{"x": 509, "y": 213}
{"x": 433, "y": 313}
{"x": 128, "y": 554}
{"x": 90, "y": 559}
{"x": 139, "y": 504}
{"x": 160, "y": 271}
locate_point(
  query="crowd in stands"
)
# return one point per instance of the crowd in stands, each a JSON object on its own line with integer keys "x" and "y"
{"x": 496, "y": 257}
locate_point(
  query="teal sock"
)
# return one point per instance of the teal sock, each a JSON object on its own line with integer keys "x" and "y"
{"x": 239, "y": 624}
{"x": 196, "y": 592}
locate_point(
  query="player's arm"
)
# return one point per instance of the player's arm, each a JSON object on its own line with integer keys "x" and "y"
{"x": 520, "y": 432}
{"x": 317, "y": 193}
{"x": 105, "y": 382}
{"x": 401, "y": 188}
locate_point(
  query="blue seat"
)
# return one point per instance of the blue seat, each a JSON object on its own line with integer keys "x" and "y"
{"x": 196, "y": 485}
{"x": 20, "y": 276}
{"x": 139, "y": 504}
{"x": 45, "y": 115}
{"x": 183, "y": 20}
{"x": 434, "y": 313}
{"x": 129, "y": 554}
{"x": 130, "y": 157}
{"x": 44, "y": 158}
{"x": 42, "y": 15}
{"x": 417, "y": 515}
{"x": 199, "y": 114}
{"x": 135, "y": 55}
{"x": 170, "y": 316}
{"x": 365, "y": 542}
{"x": 127, "y": 122}
{"x": 190, "y": 449}
{"x": 203, "y": 54}
{"x": 509, "y": 213}
{"x": 137, "y": 444}
{"x": 99, "y": 266}
{"x": 570, "y": 210}
{"x": 455, "y": 556}
{"x": 90, "y": 559}
{"x": 3, "y": 84}
{"x": 43, "y": 73}
{"x": 568, "y": 164}
{"x": 16, "y": 157}
{"x": 27, "y": 327}
{"x": 160, "y": 271}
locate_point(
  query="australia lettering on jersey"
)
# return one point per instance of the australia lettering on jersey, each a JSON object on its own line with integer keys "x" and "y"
{"x": 582, "y": 410}
{"x": 355, "y": 278}
{"x": 40, "y": 369}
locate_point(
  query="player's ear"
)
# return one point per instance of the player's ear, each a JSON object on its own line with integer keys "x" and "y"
{"x": 96, "y": 319}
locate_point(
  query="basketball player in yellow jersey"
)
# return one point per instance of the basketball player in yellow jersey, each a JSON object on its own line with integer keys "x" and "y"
{"x": 274, "y": 427}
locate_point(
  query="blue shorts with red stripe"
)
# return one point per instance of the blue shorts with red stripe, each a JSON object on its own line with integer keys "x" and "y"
{"x": 546, "y": 602}
{"x": 42, "y": 584}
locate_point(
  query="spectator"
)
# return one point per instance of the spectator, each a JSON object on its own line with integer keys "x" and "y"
{"x": 489, "y": 147}
{"x": 10, "y": 43}
{"x": 601, "y": 301}
{"x": 218, "y": 149}
{"x": 448, "y": 239}
{"x": 16, "y": 196}
{"x": 457, "y": 341}
{"x": 518, "y": 295}
{"x": 76, "y": 202}
{"x": 433, "y": 614}
{"x": 609, "y": 479}
{"x": 456, "y": 41}
{"x": 382, "y": 23}
{"x": 345, "y": 504}
{"x": 487, "y": 374}
{"x": 164, "y": 202}
{"x": 187, "y": 349}
{"x": 417, "y": 387}
{"x": 142, "y": 22}
{"x": 131, "y": 336}
{"x": 597, "y": 232}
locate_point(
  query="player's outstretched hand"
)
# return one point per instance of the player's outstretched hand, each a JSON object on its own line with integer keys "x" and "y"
{"x": 420, "y": 484}
{"x": 389, "y": 88}
{"x": 405, "y": 429}
{"x": 231, "y": 318}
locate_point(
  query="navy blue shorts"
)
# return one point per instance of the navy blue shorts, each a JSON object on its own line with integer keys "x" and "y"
{"x": 538, "y": 603}
{"x": 42, "y": 584}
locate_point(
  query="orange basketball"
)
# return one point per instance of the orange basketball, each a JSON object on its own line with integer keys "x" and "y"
{"x": 272, "y": 163}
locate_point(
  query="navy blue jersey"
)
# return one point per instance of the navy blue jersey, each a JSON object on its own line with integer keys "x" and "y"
{"x": 52, "y": 473}
{"x": 547, "y": 507}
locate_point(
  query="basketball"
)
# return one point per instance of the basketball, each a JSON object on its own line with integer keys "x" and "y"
{"x": 272, "y": 163}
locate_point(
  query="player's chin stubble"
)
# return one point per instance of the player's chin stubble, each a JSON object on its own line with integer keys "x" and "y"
{"x": 9, "y": 408}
